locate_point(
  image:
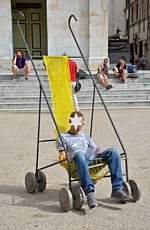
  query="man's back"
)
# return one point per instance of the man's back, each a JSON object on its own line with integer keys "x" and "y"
{"x": 73, "y": 70}
{"x": 143, "y": 60}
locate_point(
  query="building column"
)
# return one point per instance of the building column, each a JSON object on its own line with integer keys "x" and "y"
{"x": 6, "y": 49}
{"x": 98, "y": 32}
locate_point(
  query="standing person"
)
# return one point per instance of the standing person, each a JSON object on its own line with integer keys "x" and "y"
{"x": 77, "y": 145}
{"x": 143, "y": 61}
{"x": 20, "y": 65}
{"x": 120, "y": 69}
{"x": 73, "y": 71}
{"x": 102, "y": 74}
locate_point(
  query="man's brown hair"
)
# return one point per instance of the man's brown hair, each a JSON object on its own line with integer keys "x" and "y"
{"x": 79, "y": 114}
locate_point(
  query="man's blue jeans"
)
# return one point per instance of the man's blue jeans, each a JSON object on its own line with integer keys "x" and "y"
{"x": 112, "y": 155}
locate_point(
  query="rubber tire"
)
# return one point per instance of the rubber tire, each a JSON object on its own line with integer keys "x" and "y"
{"x": 41, "y": 181}
{"x": 65, "y": 199}
{"x": 30, "y": 182}
{"x": 136, "y": 190}
{"x": 127, "y": 188}
{"x": 78, "y": 198}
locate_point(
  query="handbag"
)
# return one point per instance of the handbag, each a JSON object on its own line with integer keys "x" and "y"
{"x": 78, "y": 86}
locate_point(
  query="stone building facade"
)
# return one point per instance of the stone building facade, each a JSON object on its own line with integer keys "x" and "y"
{"x": 116, "y": 17}
{"x": 45, "y": 27}
{"x": 139, "y": 28}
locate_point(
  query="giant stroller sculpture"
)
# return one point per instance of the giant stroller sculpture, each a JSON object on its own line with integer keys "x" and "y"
{"x": 73, "y": 195}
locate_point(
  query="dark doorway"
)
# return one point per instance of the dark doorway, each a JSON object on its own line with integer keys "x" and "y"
{"x": 33, "y": 26}
{"x": 141, "y": 49}
{"x": 132, "y": 53}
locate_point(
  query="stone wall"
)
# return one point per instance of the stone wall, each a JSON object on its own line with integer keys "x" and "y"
{"x": 5, "y": 32}
{"x": 98, "y": 32}
{"x": 116, "y": 16}
{"x": 91, "y": 29}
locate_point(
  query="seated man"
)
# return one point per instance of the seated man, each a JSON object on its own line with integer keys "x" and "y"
{"x": 20, "y": 65}
{"x": 77, "y": 144}
{"x": 102, "y": 74}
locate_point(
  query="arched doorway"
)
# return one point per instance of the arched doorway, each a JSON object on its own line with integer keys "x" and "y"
{"x": 33, "y": 25}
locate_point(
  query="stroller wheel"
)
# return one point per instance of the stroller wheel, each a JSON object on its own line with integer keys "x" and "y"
{"x": 127, "y": 188}
{"x": 30, "y": 182}
{"x": 65, "y": 199}
{"x": 136, "y": 190}
{"x": 41, "y": 181}
{"x": 78, "y": 198}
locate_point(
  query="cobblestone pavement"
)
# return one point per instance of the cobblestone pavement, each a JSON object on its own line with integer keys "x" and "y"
{"x": 20, "y": 210}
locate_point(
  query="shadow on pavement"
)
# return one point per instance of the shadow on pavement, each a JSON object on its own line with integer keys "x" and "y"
{"x": 45, "y": 201}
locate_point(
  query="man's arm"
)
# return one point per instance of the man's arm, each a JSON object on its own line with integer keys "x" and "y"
{"x": 100, "y": 71}
{"x": 61, "y": 147}
{"x": 93, "y": 145}
{"x": 14, "y": 59}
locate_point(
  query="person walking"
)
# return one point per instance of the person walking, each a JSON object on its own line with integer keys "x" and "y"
{"x": 73, "y": 71}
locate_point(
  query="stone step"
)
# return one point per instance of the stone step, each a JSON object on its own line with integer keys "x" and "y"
{"x": 8, "y": 78}
{"x": 35, "y": 93}
{"x": 83, "y": 98}
{"x": 27, "y": 99}
{"x": 31, "y": 93}
{"x": 25, "y": 87}
{"x": 85, "y": 83}
{"x": 114, "y": 91}
{"x": 82, "y": 105}
{"x": 118, "y": 104}
{"x": 144, "y": 78}
{"x": 88, "y": 86}
{"x": 24, "y": 95}
{"x": 116, "y": 97}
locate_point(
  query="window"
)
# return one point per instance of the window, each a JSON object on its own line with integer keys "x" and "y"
{"x": 28, "y": 5}
{"x": 142, "y": 8}
{"x": 144, "y": 26}
{"x": 132, "y": 14}
{"x": 137, "y": 12}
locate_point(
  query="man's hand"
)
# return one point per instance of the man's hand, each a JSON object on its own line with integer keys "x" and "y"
{"x": 100, "y": 151}
{"x": 63, "y": 154}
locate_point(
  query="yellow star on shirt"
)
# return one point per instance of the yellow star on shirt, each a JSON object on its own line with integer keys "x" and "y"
{"x": 76, "y": 121}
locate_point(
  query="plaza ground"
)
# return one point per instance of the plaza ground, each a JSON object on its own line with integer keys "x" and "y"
{"x": 20, "y": 210}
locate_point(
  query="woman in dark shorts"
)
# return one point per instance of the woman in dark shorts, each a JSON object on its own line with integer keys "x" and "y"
{"x": 120, "y": 69}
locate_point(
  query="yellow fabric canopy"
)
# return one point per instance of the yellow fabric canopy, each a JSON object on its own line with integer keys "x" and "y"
{"x": 59, "y": 78}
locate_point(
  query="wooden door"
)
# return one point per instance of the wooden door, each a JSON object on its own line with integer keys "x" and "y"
{"x": 34, "y": 33}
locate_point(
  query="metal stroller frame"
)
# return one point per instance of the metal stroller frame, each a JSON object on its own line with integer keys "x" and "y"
{"x": 72, "y": 196}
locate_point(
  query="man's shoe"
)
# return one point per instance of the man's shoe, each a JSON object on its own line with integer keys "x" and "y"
{"x": 121, "y": 195}
{"x": 91, "y": 200}
{"x": 109, "y": 87}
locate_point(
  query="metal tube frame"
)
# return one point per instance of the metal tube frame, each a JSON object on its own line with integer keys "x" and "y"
{"x": 50, "y": 110}
{"x": 95, "y": 87}
{"x": 20, "y": 14}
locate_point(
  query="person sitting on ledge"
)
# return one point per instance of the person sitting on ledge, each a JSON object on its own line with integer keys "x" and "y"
{"x": 120, "y": 69}
{"x": 20, "y": 65}
{"x": 102, "y": 75}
